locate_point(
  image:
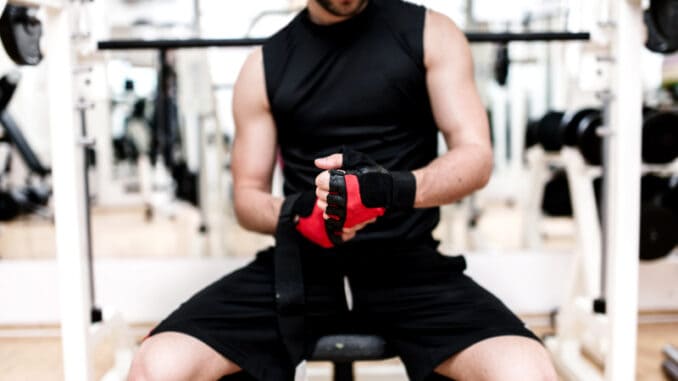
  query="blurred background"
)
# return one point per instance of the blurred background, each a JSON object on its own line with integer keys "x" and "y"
{"x": 159, "y": 129}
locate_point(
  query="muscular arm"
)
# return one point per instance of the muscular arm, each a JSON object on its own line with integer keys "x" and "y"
{"x": 459, "y": 114}
{"x": 254, "y": 150}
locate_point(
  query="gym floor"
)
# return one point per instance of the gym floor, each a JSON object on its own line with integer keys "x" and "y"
{"x": 34, "y": 353}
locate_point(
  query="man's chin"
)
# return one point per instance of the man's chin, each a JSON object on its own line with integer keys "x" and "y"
{"x": 344, "y": 9}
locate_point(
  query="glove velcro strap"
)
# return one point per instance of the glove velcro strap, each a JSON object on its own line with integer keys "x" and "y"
{"x": 404, "y": 189}
{"x": 400, "y": 187}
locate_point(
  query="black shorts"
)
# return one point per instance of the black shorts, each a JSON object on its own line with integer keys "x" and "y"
{"x": 416, "y": 298}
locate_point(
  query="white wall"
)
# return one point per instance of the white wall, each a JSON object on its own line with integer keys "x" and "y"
{"x": 146, "y": 290}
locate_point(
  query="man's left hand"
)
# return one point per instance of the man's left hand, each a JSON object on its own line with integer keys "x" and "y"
{"x": 362, "y": 190}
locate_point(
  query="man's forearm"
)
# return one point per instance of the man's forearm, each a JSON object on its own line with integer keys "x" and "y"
{"x": 256, "y": 210}
{"x": 452, "y": 176}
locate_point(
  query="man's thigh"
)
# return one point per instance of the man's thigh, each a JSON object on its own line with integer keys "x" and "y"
{"x": 429, "y": 310}
{"x": 503, "y": 358}
{"x": 174, "y": 355}
{"x": 236, "y": 316}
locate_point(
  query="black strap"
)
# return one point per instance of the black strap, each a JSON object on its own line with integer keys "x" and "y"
{"x": 289, "y": 282}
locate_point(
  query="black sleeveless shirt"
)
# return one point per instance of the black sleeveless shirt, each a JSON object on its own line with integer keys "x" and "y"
{"x": 359, "y": 83}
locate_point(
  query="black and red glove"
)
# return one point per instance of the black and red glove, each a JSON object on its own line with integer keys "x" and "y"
{"x": 364, "y": 190}
{"x": 310, "y": 222}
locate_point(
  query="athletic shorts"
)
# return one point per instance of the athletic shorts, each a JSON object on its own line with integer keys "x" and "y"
{"x": 419, "y": 300}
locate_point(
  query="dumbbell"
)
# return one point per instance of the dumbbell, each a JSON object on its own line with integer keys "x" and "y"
{"x": 659, "y": 134}
{"x": 556, "y": 129}
{"x": 580, "y": 129}
{"x": 575, "y": 128}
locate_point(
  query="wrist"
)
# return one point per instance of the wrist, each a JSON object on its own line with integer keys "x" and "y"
{"x": 404, "y": 190}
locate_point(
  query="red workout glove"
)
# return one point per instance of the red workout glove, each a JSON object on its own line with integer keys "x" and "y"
{"x": 364, "y": 190}
{"x": 310, "y": 222}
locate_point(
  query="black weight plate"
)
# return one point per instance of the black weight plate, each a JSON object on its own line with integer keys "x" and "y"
{"x": 588, "y": 140}
{"x": 658, "y": 227}
{"x": 652, "y": 188}
{"x": 556, "y": 201}
{"x": 531, "y": 133}
{"x": 660, "y": 138}
{"x": 548, "y": 133}
{"x": 661, "y": 20}
{"x": 570, "y": 122}
{"x": 669, "y": 199}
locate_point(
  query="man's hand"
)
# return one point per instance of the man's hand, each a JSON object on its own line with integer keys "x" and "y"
{"x": 361, "y": 190}
{"x": 322, "y": 183}
{"x": 309, "y": 220}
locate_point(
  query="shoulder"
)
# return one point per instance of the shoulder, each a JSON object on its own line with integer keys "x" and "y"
{"x": 254, "y": 61}
{"x": 399, "y": 10}
{"x": 442, "y": 38}
{"x": 250, "y": 85}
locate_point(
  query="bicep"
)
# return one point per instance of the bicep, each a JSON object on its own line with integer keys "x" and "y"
{"x": 254, "y": 146}
{"x": 457, "y": 108}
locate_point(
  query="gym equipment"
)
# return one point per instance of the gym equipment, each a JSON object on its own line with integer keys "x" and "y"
{"x": 557, "y": 129}
{"x": 20, "y": 31}
{"x": 96, "y": 314}
{"x": 548, "y": 131}
{"x": 12, "y": 132}
{"x": 580, "y": 129}
{"x": 670, "y": 198}
{"x": 344, "y": 350}
{"x": 31, "y": 198}
{"x": 501, "y": 64}
{"x": 473, "y": 37}
{"x": 16, "y": 137}
{"x": 569, "y": 125}
{"x": 658, "y": 227}
{"x": 8, "y": 84}
{"x": 589, "y": 141}
{"x": 556, "y": 200}
{"x": 531, "y": 133}
{"x": 661, "y": 19}
{"x": 187, "y": 183}
{"x": 9, "y": 209}
{"x": 660, "y": 136}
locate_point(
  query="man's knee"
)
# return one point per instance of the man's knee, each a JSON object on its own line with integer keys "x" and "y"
{"x": 146, "y": 367}
{"x": 536, "y": 370}
{"x": 173, "y": 356}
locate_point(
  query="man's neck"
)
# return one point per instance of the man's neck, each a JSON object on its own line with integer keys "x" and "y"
{"x": 320, "y": 16}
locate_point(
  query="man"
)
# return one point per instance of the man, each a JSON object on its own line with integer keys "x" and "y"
{"x": 353, "y": 94}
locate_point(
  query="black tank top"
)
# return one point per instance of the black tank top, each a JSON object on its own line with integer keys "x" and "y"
{"x": 359, "y": 83}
